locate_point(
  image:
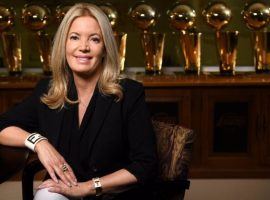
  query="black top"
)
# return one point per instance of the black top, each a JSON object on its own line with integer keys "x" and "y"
{"x": 112, "y": 136}
{"x": 72, "y": 134}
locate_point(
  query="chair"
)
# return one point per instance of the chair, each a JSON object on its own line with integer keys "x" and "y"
{"x": 174, "y": 144}
{"x": 11, "y": 161}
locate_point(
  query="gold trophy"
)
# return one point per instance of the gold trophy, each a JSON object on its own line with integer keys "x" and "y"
{"x": 182, "y": 18}
{"x": 11, "y": 42}
{"x": 144, "y": 16}
{"x": 257, "y": 16}
{"x": 120, "y": 37}
{"x": 218, "y": 15}
{"x": 61, "y": 11}
{"x": 36, "y": 17}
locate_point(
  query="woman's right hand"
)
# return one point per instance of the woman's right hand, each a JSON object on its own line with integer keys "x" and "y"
{"x": 54, "y": 162}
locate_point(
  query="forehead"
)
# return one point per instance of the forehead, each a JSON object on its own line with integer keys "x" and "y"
{"x": 85, "y": 24}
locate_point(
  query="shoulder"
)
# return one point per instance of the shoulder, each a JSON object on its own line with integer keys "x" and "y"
{"x": 42, "y": 86}
{"x": 129, "y": 85}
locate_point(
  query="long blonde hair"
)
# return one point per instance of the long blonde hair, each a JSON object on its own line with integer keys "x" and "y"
{"x": 108, "y": 83}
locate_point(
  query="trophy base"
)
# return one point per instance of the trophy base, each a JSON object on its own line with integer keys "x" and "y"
{"x": 227, "y": 73}
{"x": 153, "y": 72}
{"x": 192, "y": 72}
{"x": 15, "y": 73}
{"x": 262, "y": 71}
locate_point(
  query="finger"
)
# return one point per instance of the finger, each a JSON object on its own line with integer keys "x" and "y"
{"x": 56, "y": 189}
{"x": 46, "y": 183}
{"x": 62, "y": 176}
{"x": 52, "y": 174}
{"x": 71, "y": 175}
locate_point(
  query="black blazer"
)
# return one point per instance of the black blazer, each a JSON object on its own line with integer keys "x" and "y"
{"x": 121, "y": 132}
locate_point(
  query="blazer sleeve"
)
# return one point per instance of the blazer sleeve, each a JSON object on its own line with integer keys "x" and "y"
{"x": 141, "y": 138}
{"x": 25, "y": 114}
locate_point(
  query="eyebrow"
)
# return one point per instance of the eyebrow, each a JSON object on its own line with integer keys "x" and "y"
{"x": 93, "y": 34}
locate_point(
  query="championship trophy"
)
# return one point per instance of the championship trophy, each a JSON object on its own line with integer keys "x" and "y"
{"x": 182, "y": 18}
{"x": 257, "y": 16}
{"x": 144, "y": 16}
{"x": 36, "y": 17}
{"x": 12, "y": 52}
{"x": 120, "y": 37}
{"x": 61, "y": 11}
{"x": 218, "y": 15}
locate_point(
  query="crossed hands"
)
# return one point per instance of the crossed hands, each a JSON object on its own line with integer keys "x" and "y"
{"x": 55, "y": 164}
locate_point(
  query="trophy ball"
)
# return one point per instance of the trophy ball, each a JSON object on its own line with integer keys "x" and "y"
{"x": 111, "y": 13}
{"x": 143, "y": 15}
{"x": 35, "y": 17}
{"x": 217, "y": 15}
{"x": 7, "y": 16}
{"x": 61, "y": 11}
{"x": 182, "y": 17}
{"x": 256, "y": 15}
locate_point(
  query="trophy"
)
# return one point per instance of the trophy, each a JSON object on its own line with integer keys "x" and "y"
{"x": 120, "y": 37}
{"x": 182, "y": 18}
{"x": 144, "y": 16}
{"x": 218, "y": 15}
{"x": 11, "y": 42}
{"x": 61, "y": 11}
{"x": 257, "y": 16}
{"x": 36, "y": 17}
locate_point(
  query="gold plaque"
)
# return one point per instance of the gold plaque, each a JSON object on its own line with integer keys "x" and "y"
{"x": 7, "y": 16}
{"x": 35, "y": 17}
{"x": 182, "y": 17}
{"x": 217, "y": 15}
{"x": 143, "y": 15}
{"x": 256, "y": 15}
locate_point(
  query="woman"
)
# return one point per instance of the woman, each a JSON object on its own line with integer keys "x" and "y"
{"x": 89, "y": 128}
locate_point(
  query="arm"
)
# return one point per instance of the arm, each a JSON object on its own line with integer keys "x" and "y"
{"x": 20, "y": 121}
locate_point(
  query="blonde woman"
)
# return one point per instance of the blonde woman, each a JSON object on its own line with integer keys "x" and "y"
{"x": 89, "y": 127}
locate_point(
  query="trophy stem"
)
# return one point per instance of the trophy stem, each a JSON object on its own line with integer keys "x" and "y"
{"x": 44, "y": 42}
{"x": 12, "y": 53}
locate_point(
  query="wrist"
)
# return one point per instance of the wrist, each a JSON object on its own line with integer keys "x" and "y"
{"x": 32, "y": 140}
{"x": 96, "y": 186}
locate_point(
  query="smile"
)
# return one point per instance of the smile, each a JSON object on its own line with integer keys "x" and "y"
{"x": 83, "y": 59}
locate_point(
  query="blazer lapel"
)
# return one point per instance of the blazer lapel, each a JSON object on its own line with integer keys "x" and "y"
{"x": 103, "y": 104}
{"x": 53, "y": 125}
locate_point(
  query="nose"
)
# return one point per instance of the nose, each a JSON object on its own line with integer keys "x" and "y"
{"x": 84, "y": 47}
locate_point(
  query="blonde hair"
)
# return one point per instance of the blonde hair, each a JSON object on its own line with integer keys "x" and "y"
{"x": 108, "y": 83}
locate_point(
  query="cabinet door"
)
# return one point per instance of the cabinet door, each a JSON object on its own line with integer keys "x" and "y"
{"x": 12, "y": 97}
{"x": 229, "y": 124}
{"x": 265, "y": 129}
{"x": 169, "y": 105}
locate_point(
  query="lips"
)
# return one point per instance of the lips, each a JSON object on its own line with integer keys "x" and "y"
{"x": 83, "y": 59}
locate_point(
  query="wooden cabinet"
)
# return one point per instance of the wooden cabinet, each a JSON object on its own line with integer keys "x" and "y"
{"x": 230, "y": 116}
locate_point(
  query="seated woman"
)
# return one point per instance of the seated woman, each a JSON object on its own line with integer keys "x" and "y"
{"x": 89, "y": 127}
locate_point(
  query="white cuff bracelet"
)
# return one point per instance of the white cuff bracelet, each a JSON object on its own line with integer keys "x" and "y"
{"x": 31, "y": 141}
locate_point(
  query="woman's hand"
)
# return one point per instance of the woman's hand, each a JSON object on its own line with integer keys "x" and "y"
{"x": 55, "y": 163}
{"x": 81, "y": 190}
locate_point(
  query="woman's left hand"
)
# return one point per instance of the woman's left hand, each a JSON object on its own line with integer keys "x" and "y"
{"x": 81, "y": 190}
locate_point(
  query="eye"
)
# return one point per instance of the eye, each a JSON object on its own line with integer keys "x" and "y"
{"x": 73, "y": 37}
{"x": 95, "y": 39}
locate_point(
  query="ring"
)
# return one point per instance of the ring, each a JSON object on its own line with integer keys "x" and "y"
{"x": 64, "y": 168}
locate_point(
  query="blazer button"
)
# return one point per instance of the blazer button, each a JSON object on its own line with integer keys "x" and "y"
{"x": 94, "y": 168}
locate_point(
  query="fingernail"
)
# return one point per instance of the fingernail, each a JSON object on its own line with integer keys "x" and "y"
{"x": 69, "y": 184}
{"x": 75, "y": 183}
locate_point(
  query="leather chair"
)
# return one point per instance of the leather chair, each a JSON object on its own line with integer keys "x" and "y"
{"x": 174, "y": 144}
{"x": 11, "y": 161}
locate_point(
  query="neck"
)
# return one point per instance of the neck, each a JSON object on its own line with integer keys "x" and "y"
{"x": 85, "y": 87}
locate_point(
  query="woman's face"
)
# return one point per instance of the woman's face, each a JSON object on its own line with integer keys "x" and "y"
{"x": 84, "y": 46}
